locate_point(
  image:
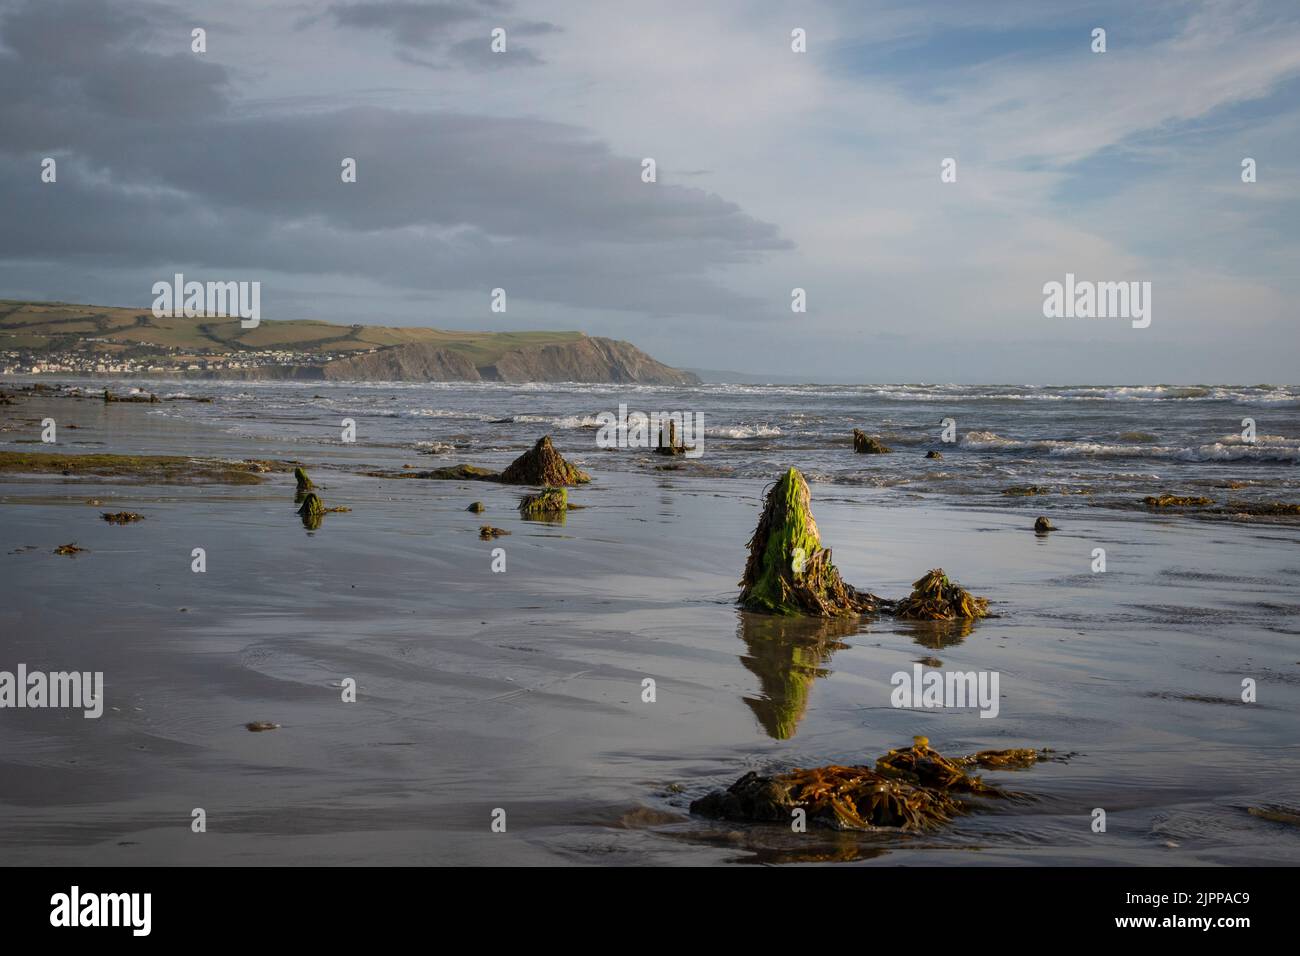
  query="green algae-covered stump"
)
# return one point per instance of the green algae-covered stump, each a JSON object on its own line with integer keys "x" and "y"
{"x": 789, "y": 572}
{"x": 304, "y": 483}
{"x": 543, "y": 465}
{"x": 312, "y": 511}
{"x": 549, "y": 501}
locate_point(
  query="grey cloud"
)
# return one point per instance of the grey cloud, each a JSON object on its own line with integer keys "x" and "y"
{"x": 476, "y": 53}
{"x": 409, "y": 24}
{"x": 457, "y": 32}
{"x": 158, "y": 167}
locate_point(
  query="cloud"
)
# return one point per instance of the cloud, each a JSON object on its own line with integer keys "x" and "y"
{"x": 776, "y": 170}
{"x": 444, "y": 201}
{"x": 435, "y": 35}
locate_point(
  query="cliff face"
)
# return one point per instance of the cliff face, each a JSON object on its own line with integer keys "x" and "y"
{"x": 417, "y": 362}
{"x": 586, "y": 360}
{"x": 583, "y": 360}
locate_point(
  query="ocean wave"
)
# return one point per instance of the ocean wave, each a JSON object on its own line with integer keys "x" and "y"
{"x": 744, "y": 431}
{"x": 1227, "y": 448}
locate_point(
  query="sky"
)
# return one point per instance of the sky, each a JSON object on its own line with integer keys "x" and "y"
{"x": 775, "y": 170}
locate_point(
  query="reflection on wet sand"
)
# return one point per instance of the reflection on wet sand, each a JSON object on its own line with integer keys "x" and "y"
{"x": 787, "y": 654}
{"x": 769, "y": 845}
{"x": 937, "y": 634}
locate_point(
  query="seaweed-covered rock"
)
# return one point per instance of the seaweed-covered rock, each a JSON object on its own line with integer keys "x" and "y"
{"x": 1042, "y": 525}
{"x": 543, "y": 465}
{"x": 1273, "y": 508}
{"x": 912, "y": 788}
{"x": 549, "y": 501}
{"x": 934, "y": 454}
{"x": 1025, "y": 491}
{"x": 110, "y": 397}
{"x": 788, "y": 571}
{"x": 476, "y": 507}
{"x": 487, "y": 532}
{"x": 865, "y": 444}
{"x": 935, "y": 598}
{"x": 312, "y": 505}
{"x": 304, "y": 483}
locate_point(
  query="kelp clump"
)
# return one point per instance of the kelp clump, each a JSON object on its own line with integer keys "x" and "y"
{"x": 1167, "y": 500}
{"x": 935, "y": 598}
{"x": 487, "y": 532}
{"x": 865, "y": 444}
{"x": 543, "y": 465}
{"x": 788, "y": 571}
{"x": 121, "y": 517}
{"x": 913, "y": 788}
{"x": 549, "y": 501}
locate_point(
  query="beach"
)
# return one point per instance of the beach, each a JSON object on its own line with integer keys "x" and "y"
{"x": 523, "y": 689}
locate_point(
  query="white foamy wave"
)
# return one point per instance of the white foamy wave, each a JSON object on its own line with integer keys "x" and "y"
{"x": 745, "y": 431}
{"x": 978, "y": 440}
{"x": 1088, "y": 449}
{"x": 1286, "y": 450}
{"x": 435, "y": 447}
{"x": 434, "y": 413}
{"x": 1228, "y": 448}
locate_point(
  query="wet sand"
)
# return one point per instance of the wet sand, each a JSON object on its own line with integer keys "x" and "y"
{"x": 522, "y": 690}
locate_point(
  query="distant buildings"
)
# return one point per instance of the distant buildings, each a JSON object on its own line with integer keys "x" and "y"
{"x": 154, "y": 359}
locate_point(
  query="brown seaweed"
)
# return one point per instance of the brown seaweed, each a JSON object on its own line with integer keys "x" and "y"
{"x": 910, "y": 789}
{"x": 935, "y": 598}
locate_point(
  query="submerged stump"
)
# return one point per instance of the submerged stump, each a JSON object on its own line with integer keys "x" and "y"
{"x": 789, "y": 572}
{"x": 865, "y": 444}
{"x": 668, "y": 440}
{"x": 304, "y": 483}
{"x": 547, "y": 502}
{"x": 543, "y": 465}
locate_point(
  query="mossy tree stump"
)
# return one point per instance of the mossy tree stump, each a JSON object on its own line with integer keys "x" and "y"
{"x": 543, "y": 465}
{"x": 789, "y": 572}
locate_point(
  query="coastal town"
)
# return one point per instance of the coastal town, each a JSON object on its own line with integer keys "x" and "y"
{"x": 156, "y": 360}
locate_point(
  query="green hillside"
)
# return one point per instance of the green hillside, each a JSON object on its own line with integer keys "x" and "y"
{"x": 58, "y": 326}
